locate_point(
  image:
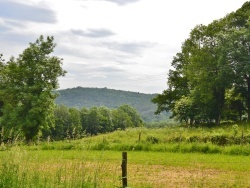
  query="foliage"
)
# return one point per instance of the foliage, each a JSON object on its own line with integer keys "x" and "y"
{"x": 27, "y": 83}
{"x": 71, "y": 123}
{"x": 210, "y": 79}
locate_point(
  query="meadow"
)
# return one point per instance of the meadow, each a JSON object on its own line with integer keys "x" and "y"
{"x": 166, "y": 157}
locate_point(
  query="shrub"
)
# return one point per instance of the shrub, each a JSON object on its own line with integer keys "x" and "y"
{"x": 220, "y": 140}
{"x": 193, "y": 138}
{"x": 152, "y": 140}
{"x": 101, "y": 146}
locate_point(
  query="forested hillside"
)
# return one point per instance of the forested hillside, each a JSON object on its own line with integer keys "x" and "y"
{"x": 88, "y": 97}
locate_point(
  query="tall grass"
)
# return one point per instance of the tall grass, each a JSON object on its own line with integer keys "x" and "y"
{"x": 21, "y": 169}
{"x": 230, "y": 140}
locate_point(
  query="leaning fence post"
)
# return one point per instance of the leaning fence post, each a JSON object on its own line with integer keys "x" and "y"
{"x": 124, "y": 170}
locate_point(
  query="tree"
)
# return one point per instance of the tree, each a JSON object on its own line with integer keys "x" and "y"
{"x": 185, "y": 110}
{"x": 84, "y": 112}
{"x": 93, "y": 121}
{"x": 177, "y": 86}
{"x": 133, "y": 114}
{"x": 106, "y": 121}
{"x": 30, "y": 79}
{"x": 206, "y": 72}
{"x": 234, "y": 107}
{"x": 214, "y": 59}
{"x": 75, "y": 128}
{"x": 121, "y": 119}
{"x": 63, "y": 123}
{"x": 126, "y": 116}
{"x": 237, "y": 45}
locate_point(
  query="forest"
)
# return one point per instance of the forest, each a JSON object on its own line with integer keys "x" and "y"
{"x": 210, "y": 77}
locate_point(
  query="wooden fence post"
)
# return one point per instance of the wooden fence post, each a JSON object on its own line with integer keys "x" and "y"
{"x": 139, "y": 139}
{"x": 124, "y": 170}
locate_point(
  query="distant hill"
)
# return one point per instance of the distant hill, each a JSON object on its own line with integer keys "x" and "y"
{"x": 88, "y": 97}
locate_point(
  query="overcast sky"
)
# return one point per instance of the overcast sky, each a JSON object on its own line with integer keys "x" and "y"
{"x": 119, "y": 44}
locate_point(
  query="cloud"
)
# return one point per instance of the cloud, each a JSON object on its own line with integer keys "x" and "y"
{"x": 12, "y": 44}
{"x": 4, "y": 28}
{"x": 99, "y": 49}
{"x": 23, "y": 12}
{"x": 122, "y": 2}
{"x": 128, "y": 47}
{"x": 15, "y": 24}
{"x": 88, "y": 68}
{"x": 108, "y": 69}
{"x": 93, "y": 33}
{"x": 94, "y": 72}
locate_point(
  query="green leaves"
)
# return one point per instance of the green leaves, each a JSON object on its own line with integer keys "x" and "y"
{"x": 27, "y": 87}
{"x": 214, "y": 59}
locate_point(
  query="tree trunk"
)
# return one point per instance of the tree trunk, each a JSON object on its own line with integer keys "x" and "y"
{"x": 219, "y": 95}
{"x": 217, "y": 120}
{"x": 191, "y": 121}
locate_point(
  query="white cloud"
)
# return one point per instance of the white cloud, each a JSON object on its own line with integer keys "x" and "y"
{"x": 120, "y": 44}
{"x": 122, "y": 2}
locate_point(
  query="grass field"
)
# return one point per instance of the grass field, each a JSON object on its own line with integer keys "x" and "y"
{"x": 82, "y": 168}
{"x": 157, "y": 158}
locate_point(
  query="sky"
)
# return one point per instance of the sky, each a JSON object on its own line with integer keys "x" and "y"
{"x": 119, "y": 44}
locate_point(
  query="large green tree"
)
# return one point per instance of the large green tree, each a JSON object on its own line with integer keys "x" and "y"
{"x": 213, "y": 61}
{"x": 28, "y": 88}
{"x": 237, "y": 43}
{"x": 206, "y": 71}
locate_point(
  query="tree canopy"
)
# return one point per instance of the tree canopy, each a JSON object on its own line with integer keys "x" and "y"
{"x": 73, "y": 123}
{"x": 210, "y": 79}
{"x": 27, "y": 85}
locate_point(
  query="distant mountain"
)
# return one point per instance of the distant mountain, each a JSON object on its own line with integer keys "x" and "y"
{"x": 88, "y": 97}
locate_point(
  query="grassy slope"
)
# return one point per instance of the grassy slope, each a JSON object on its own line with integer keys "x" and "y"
{"x": 230, "y": 139}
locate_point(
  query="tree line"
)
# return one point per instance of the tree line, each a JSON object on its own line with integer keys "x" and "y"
{"x": 73, "y": 123}
{"x": 210, "y": 78}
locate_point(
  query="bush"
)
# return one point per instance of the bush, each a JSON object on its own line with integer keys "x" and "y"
{"x": 220, "y": 140}
{"x": 194, "y": 138}
{"x": 101, "y": 146}
{"x": 152, "y": 140}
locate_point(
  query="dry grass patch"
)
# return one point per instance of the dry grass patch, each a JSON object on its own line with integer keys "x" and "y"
{"x": 160, "y": 176}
